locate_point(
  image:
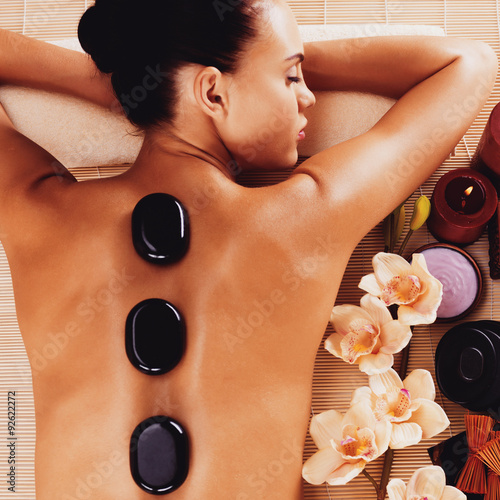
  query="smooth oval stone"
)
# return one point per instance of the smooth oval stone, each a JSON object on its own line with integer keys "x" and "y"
{"x": 160, "y": 228}
{"x": 154, "y": 336}
{"x": 159, "y": 455}
{"x": 467, "y": 367}
{"x": 471, "y": 364}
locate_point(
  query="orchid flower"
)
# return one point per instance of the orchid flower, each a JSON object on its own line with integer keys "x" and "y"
{"x": 367, "y": 335}
{"x": 346, "y": 444}
{"x": 426, "y": 483}
{"x": 411, "y": 286}
{"x": 408, "y": 405}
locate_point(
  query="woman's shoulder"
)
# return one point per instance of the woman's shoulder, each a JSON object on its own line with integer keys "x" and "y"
{"x": 54, "y": 210}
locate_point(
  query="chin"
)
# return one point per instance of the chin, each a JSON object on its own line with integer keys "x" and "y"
{"x": 278, "y": 160}
{"x": 281, "y": 164}
{"x": 292, "y": 159}
{"x": 282, "y": 161}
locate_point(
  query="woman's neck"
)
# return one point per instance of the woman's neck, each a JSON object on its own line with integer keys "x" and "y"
{"x": 161, "y": 145}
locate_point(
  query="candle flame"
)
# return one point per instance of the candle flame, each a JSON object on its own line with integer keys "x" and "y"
{"x": 468, "y": 191}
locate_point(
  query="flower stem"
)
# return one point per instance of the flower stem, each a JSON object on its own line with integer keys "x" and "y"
{"x": 386, "y": 472}
{"x": 392, "y": 230}
{"x": 370, "y": 478}
{"x": 389, "y": 454}
{"x": 403, "y": 368}
{"x": 405, "y": 241}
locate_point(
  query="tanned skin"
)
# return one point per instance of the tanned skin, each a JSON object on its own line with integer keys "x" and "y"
{"x": 264, "y": 265}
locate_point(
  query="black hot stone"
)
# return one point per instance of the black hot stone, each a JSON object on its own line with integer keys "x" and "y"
{"x": 160, "y": 228}
{"x": 154, "y": 336}
{"x": 159, "y": 455}
{"x": 468, "y": 366}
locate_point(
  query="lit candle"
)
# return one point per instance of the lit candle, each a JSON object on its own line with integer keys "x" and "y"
{"x": 460, "y": 276}
{"x": 463, "y": 202}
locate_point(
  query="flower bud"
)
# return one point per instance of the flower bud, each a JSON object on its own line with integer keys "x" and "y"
{"x": 421, "y": 212}
{"x": 397, "y": 219}
{"x": 400, "y": 223}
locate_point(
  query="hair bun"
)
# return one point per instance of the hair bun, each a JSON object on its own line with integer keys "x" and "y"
{"x": 117, "y": 33}
{"x": 143, "y": 43}
{"x": 93, "y": 34}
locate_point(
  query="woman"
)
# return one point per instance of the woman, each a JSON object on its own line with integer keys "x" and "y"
{"x": 220, "y": 74}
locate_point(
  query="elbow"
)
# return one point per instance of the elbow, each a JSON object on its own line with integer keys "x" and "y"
{"x": 487, "y": 58}
{"x": 476, "y": 64}
{"x": 482, "y": 60}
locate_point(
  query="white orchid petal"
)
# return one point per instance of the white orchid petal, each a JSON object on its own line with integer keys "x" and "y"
{"x": 396, "y": 281}
{"x": 342, "y": 317}
{"x": 405, "y": 434}
{"x": 394, "y": 337}
{"x": 452, "y": 493}
{"x": 332, "y": 344}
{"x": 359, "y": 342}
{"x": 396, "y": 489}
{"x": 376, "y": 309}
{"x": 326, "y": 426}
{"x": 382, "y": 382}
{"x": 419, "y": 267}
{"x": 420, "y": 384}
{"x": 360, "y": 415}
{"x": 318, "y": 468}
{"x": 363, "y": 395}
{"x": 383, "y": 433}
{"x": 402, "y": 290}
{"x": 388, "y": 265}
{"x": 430, "y": 417}
{"x": 370, "y": 284}
{"x": 433, "y": 293}
{"x": 410, "y": 316}
{"x": 345, "y": 473}
{"x": 373, "y": 364}
{"x": 358, "y": 444}
{"x": 430, "y": 300}
{"x": 427, "y": 482}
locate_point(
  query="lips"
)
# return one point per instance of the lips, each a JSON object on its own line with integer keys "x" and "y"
{"x": 302, "y": 134}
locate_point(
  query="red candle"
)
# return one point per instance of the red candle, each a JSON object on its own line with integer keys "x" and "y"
{"x": 487, "y": 157}
{"x": 463, "y": 202}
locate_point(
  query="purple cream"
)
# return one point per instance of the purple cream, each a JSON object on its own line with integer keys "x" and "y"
{"x": 459, "y": 279}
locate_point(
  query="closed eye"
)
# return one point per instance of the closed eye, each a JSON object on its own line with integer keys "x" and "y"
{"x": 295, "y": 79}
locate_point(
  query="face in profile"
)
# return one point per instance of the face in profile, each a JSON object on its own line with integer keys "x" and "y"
{"x": 268, "y": 96}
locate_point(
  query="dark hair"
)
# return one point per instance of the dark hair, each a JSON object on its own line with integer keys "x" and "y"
{"x": 143, "y": 43}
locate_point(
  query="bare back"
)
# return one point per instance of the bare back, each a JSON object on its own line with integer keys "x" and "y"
{"x": 262, "y": 272}
{"x": 255, "y": 303}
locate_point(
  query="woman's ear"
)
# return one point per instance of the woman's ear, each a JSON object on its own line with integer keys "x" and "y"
{"x": 210, "y": 91}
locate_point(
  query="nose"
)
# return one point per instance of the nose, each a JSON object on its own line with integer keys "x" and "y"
{"x": 306, "y": 98}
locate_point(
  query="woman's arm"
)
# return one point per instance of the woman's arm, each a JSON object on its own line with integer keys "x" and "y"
{"x": 32, "y": 63}
{"x": 27, "y": 171}
{"x": 443, "y": 84}
{"x": 385, "y": 65}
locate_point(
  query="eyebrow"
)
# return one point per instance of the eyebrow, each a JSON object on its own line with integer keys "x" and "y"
{"x": 298, "y": 56}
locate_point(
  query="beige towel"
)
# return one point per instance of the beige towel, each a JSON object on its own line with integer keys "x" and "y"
{"x": 339, "y": 116}
{"x": 80, "y": 134}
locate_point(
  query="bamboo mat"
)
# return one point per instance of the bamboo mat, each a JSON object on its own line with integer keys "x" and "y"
{"x": 334, "y": 380}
